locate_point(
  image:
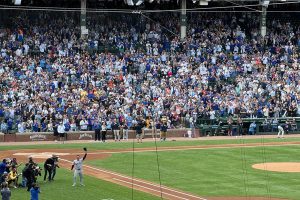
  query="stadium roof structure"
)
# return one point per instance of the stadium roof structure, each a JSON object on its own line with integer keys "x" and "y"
{"x": 181, "y": 7}
{"x": 131, "y": 2}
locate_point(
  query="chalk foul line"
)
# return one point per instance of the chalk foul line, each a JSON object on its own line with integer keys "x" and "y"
{"x": 140, "y": 181}
{"x": 181, "y": 148}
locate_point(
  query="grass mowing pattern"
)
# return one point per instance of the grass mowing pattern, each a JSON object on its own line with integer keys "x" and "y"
{"x": 61, "y": 189}
{"x": 214, "y": 172}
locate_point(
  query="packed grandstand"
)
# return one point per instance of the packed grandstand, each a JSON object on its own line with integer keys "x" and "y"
{"x": 135, "y": 65}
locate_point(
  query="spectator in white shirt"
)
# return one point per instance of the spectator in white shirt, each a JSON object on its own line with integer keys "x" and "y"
{"x": 83, "y": 124}
{"x": 61, "y": 132}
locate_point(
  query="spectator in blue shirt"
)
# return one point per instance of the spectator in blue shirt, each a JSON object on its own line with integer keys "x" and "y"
{"x": 129, "y": 121}
{"x": 67, "y": 126}
{"x": 1, "y": 113}
{"x": 34, "y": 192}
{"x": 3, "y": 127}
{"x": 108, "y": 125}
{"x": 9, "y": 124}
{"x": 3, "y": 167}
{"x": 35, "y": 126}
{"x": 97, "y": 128}
{"x": 252, "y": 128}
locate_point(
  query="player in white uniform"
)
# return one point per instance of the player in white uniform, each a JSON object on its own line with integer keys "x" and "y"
{"x": 280, "y": 131}
{"x": 77, "y": 166}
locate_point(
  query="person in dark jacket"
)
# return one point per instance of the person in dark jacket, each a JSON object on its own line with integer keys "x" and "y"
{"x": 116, "y": 130}
{"x": 240, "y": 126}
{"x": 163, "y": 132}
{"x": 97, "y": 128}
{"x": 139, "y": 130}
{"x": 103, "y": 131}
{"x": 29, "y": 174}
{"x": 54, "y": 167}
{"x": 3, "y": 167}
{"x": 48, "y": 167}
{"x": 55, "y": 132}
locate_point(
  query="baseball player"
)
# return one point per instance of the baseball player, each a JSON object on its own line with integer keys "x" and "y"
{"x": 77, "y": 166}
{"x": 280, "y": 131}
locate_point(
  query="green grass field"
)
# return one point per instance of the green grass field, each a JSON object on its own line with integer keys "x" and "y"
{"x": 214, "y": 172}
{"x": 204, "y": 172}
{"x": 61, "y": 189}
{"x": 127, "y": 145}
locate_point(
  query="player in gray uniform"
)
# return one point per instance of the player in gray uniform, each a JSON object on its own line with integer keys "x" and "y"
{"x": 280, "y": 131}
{"x": 77, "y": 166}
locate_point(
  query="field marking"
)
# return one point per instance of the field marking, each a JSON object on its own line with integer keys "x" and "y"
{"x": 150, "y": 188}
{"x": 187, "y": 148}
{"x": 136, "y": 180}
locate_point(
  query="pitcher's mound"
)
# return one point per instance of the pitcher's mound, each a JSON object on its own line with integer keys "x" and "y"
{"x": 279, "y": 166}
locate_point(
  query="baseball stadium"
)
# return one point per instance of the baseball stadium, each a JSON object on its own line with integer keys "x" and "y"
{"x": 150, "y": 99}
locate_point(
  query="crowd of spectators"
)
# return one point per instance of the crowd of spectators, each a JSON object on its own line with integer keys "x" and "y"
{"x": 49, "y": 74}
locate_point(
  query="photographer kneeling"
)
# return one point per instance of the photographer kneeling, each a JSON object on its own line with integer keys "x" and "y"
{"x": 13, "y": 177}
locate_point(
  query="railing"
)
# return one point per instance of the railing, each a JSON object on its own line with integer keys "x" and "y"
{"x": 220, "y": 125}
{"x": 90, "y": 135}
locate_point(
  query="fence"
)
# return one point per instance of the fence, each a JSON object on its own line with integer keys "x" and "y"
{"x": 263, "y": 125}
{"x": 86, "y": 135}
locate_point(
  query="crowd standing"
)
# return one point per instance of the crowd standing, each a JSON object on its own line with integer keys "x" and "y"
{"x": 224, "y": 67}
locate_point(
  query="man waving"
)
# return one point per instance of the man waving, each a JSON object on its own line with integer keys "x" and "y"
{"x": 77, "y": 166}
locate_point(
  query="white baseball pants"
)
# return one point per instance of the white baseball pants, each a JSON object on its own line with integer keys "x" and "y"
{"x": 280, "y": 131}
{"x": 80, "y": 174}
